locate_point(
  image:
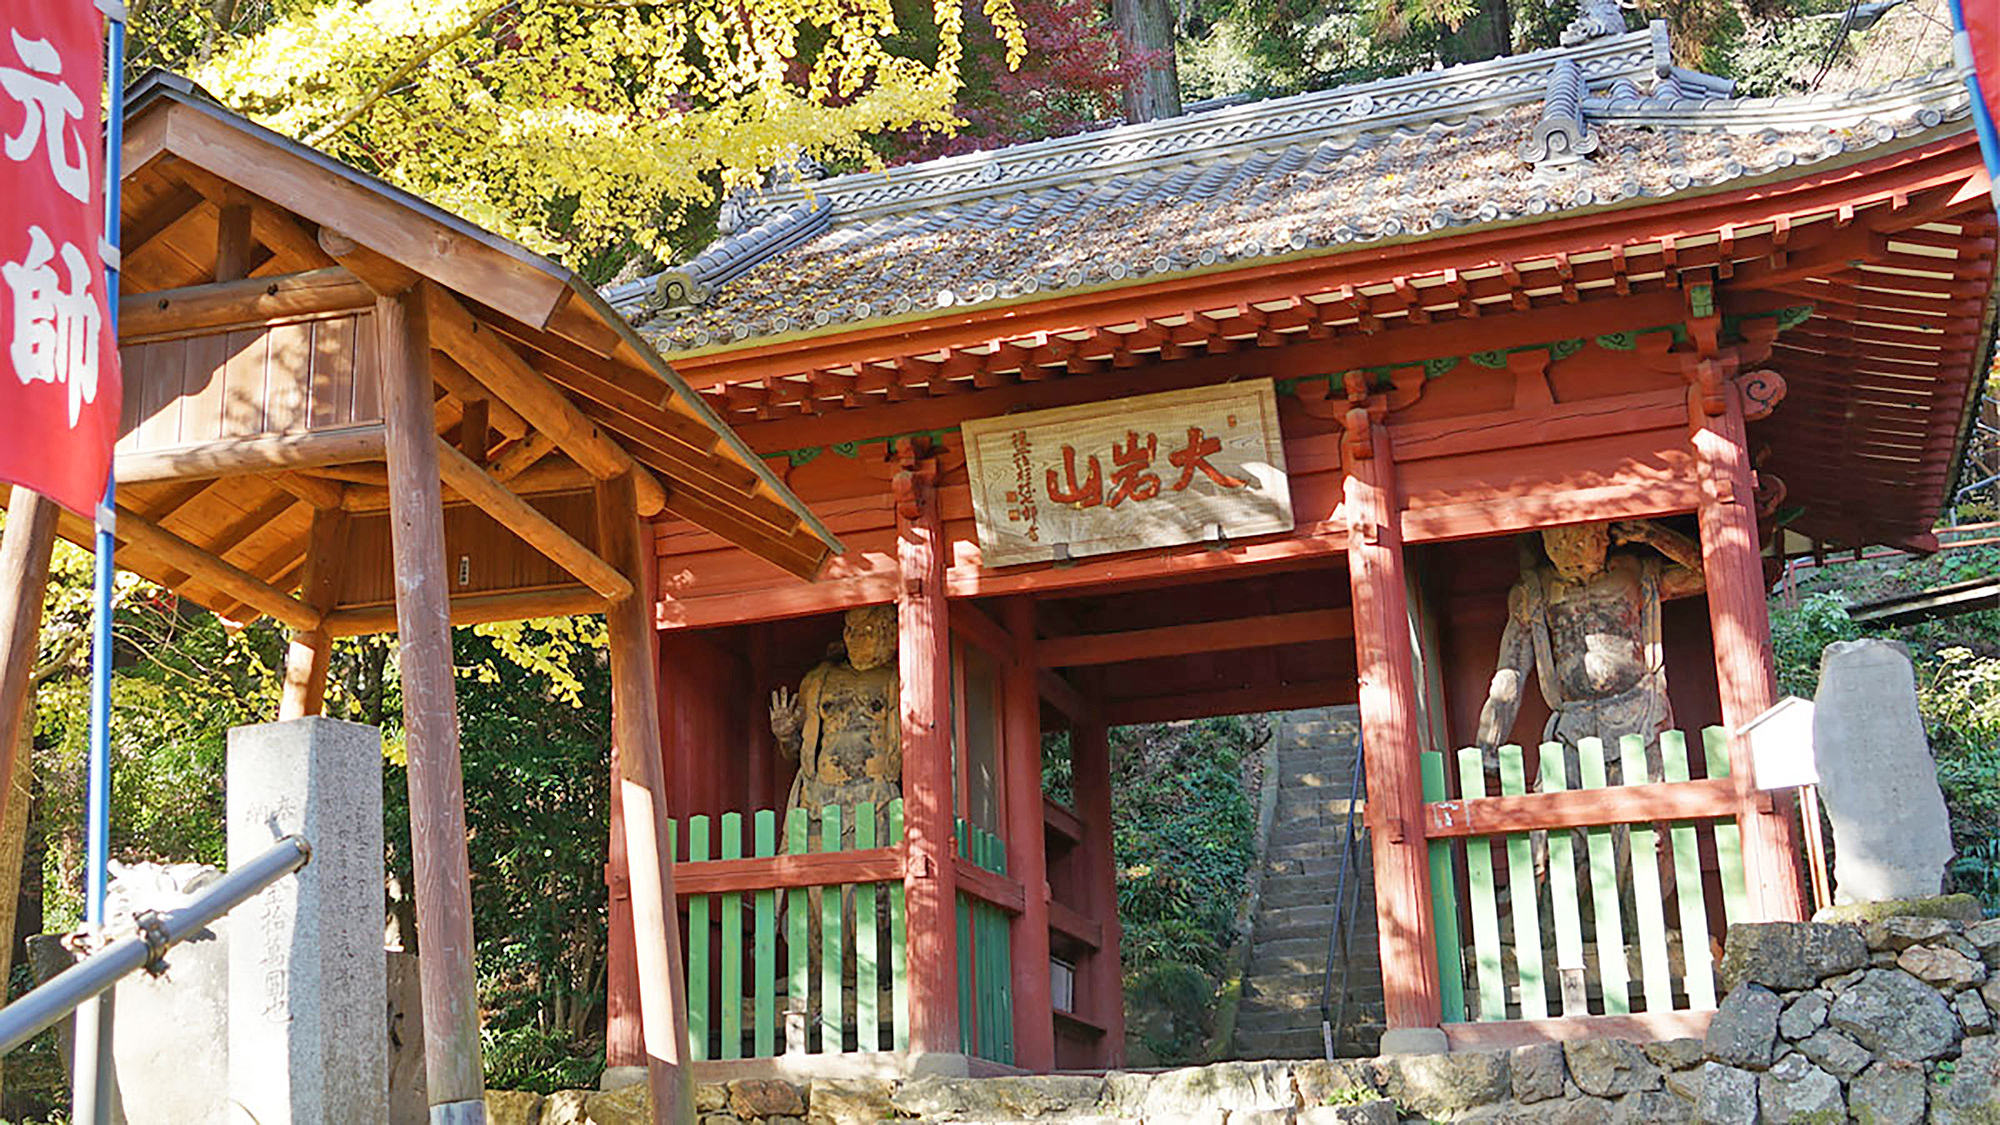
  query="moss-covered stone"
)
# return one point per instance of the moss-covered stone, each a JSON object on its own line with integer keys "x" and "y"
{"x": 1957, "y": 908}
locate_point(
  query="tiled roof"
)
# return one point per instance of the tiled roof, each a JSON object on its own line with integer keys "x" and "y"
{"x": 1468, "y": 145}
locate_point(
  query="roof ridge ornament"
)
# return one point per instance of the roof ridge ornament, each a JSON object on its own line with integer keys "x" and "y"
{"x": 1595, "y": 19}
{"x": 1562, "y": 136}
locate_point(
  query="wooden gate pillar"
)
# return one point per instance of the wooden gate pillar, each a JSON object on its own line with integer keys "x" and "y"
{"x": 430, "y": 713}
{"x": 624, "y": 1045}
{"x": 1103, "y": 980}
{"x": 1034, "y": 1015}
{"x": 24, "y": 580}
{"x": 642, "y": 788}
{"x": 923, "y": 656}
{"x": 1740, "y": 621}
{"x": 1388, "y": 693}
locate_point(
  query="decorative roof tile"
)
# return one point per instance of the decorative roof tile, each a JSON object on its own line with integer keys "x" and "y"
{"x": 1398, "y": 158}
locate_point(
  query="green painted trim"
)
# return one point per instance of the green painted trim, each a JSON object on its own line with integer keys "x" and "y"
{"x": 798, "y": 926}
{"x": 731, "y": 974}
{"x": 1523, "y": 893}
{"x": 1564, "y": 906}
{"x": 1613, "y": 975}
{"x": 1700, "y": 979}
{"x": 1728, "y": 837}
{"x": 831, "y": 1001}
{"x": 697, "y": 946}
{"x": 1481, "y": 891}
{"x": 899, "y": 943}
{"x": 1444, "y": 903}
{"x": 1648, "y": 901}
{"x": 763, "y": 1029}
{"x": 867, "y": 957}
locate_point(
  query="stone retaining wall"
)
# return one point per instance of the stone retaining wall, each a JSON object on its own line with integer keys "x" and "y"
{"x": 1886, "y": 1023}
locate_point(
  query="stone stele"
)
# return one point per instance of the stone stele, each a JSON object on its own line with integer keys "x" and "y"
{"x": 1891, "y": 836}
{"x": 308, "y": 989}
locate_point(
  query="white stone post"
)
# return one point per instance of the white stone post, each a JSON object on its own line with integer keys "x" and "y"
{"x": 308, "y": 991}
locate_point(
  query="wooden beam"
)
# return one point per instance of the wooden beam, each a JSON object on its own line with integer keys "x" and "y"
{"x": 1100, "y": 980}
{"x": 430, "y": 714}
{"x": 25, "y": 549}
{"x": 1642, "y": 1027}
{"x": 924, "y": 645}
{"x": 520, "y": 517}
{"x": 468, "y": 390}
{"x": 232, "y": 240}
{"x": 1228, "y": 701}
{"x": 1063, "y": 696}
{"x": 309, "y": 651}
{"x": 1620, "y": 804}
{"x": 635, "y": 715}
{"x": 232, "y": 580}
{"x": 321, "y": 494}
{"x": 1027, "y": 858}
{"x": 501, "y": 369}
{"x": 1739, "y": 620}
{"x": 1299, "y": 627}
{"x": 516, "y": 458}
{"x": 972, "y": 623}
{"x": 784, "y": 872}
{"x": 1070, "y": 923}
{"x": 384, "y": 275}
{"x": 990, "y": 886}
{"x": 255, "y": 302}
{"x": 474, "y": 609}
{"x": 316, "y": 449}
{"x": 1387, "y": 694}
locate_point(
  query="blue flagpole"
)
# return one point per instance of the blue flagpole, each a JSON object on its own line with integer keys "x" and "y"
{"x": 91, "y": 1095}
{"x": 1982, "y": 116}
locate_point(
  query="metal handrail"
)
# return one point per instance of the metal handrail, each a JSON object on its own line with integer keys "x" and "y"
{"x": 97, "y": 973}
{"x": 1340, "y": 939}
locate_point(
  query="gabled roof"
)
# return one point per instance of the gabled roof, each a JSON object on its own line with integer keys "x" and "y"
{"x": 186, "y": 155}
{"x": 1396, "y": 159}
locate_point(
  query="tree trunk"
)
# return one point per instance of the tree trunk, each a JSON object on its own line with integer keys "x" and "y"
{"x": 1488, "y": 34}
{"x": 1148, "y": 29}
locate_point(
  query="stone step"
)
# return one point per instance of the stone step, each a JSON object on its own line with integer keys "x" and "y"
{"x": 1294, "y": 1043}
{"x": 1326, "y": 848}
{"x": 1307, "y": 999}
{"x": 1364, "y": 982}
{"x": 1310, "y": 866}
{"x": 1312, "y": 775}
{"x": 1315, "y": 891}
{"x": 1313, "y": 831}
{"x": 1315, "y": 802}
{"x": 1293, "y": 921}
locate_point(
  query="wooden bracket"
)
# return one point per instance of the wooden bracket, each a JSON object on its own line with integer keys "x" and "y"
{"x": 1762, "y": 391}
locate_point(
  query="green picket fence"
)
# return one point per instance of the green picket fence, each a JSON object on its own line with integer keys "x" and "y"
{"x": 746, "y": 983}
{"x": 1546, "y": 963}
{"x": 985, "y": 964}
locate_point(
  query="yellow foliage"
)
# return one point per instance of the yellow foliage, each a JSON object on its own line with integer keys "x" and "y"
{"x": 569, "y": 124}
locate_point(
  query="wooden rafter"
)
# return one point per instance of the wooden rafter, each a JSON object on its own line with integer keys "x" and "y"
{"x": 247, "y": 303}
{"x": 234, "y": 581}
{"x": 1196, "y": 637}
{"x": 534, "y": 528}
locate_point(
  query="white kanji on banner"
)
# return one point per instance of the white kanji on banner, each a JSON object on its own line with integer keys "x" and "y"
{"x": 59, "y": 410}
{"x": 55, "y": 115}
{"x": 55, "y": 326}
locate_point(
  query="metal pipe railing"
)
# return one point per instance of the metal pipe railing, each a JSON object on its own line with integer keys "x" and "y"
{"x": 1340, "y": 939}
{"x": 97, "y": 973}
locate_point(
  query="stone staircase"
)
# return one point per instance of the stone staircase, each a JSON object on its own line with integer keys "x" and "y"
{"x": 1280, "y": 1016}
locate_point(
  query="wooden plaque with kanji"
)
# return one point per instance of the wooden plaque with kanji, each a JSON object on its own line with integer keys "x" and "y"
{"x": 1152, "y": 471}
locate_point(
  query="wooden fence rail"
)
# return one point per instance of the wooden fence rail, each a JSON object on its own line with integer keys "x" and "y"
{"x": 797, "y": 941}
{"x": 1639, "y": 890}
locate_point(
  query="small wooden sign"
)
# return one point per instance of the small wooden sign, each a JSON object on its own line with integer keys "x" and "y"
{"x": 1151, "y": 471}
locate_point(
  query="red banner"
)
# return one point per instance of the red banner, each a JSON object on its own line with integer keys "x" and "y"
{"x": 1982, "y": 27}
{"x": 59, "y": 386}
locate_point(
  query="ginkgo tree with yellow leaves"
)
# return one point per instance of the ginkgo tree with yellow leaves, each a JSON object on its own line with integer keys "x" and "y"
{"x": 572, "y": 125}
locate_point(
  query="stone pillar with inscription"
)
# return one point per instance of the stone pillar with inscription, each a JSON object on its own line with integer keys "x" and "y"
{"x": 308, "y": 1042}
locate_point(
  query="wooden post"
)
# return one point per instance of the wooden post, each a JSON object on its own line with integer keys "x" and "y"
{"x": 1740, "y": 621}
{"x": 624, "y": 1044}
{"x": 1388, "y": 693}
{"x": 1034, "y": 1012}
{"x": 642, "y": 788}
{"x": 430, "y": 715}
{"x": 24, "y": 580}
{"x": 923, "y": 660}
{"x": 319, "y": 588}
{"x": 1103, "y": 978}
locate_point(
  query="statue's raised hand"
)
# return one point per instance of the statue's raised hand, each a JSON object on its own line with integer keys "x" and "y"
{"x": 787, "y": 719}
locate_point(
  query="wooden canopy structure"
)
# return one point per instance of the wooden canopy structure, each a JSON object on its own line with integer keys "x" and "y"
{"x": 351, "y": 412}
